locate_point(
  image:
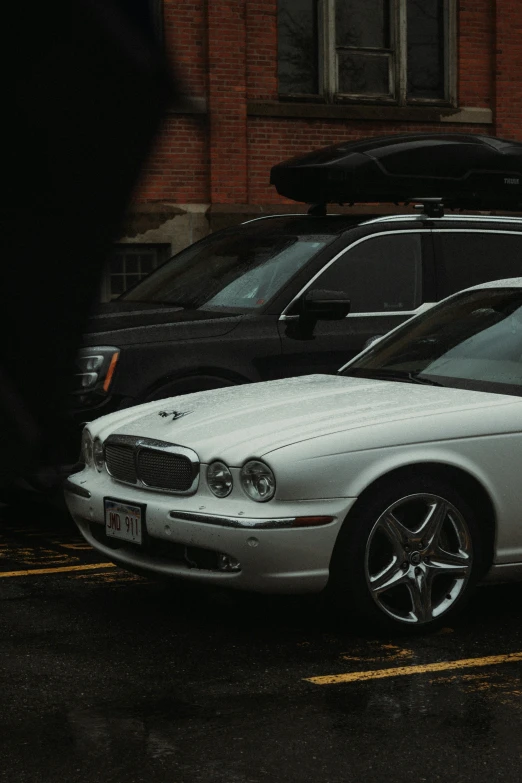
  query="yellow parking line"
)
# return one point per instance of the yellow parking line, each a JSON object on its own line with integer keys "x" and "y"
{"x": 401, "y": 671}
{"x": 61, "y": 569}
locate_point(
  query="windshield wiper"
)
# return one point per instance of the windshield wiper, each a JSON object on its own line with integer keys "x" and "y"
{"x": 414, "y": 377}
{"x": 396, "y": 375}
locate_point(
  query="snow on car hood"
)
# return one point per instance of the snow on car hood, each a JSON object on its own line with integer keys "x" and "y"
{"x": 238, "y": 422}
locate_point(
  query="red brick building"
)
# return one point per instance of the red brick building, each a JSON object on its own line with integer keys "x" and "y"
{"x": 269, "y": 79}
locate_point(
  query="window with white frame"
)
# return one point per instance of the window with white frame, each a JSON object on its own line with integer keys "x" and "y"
{"x": 130, "y": 263}
{"x": 401, "y": 52}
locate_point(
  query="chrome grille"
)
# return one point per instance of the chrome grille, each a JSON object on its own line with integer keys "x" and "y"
{"x": 164, "y": 471}
{"x": 120, "y": 462}
{"x": 152, "y": 464}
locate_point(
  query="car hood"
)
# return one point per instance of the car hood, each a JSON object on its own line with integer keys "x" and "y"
{"x": 252, "y": 420}
{"x": 124, "y": 323}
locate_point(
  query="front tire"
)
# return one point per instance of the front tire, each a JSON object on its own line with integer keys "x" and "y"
{"x": 409, "y": 555}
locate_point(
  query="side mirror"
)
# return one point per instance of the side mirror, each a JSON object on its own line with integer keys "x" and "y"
{"x": 321, "y": 305}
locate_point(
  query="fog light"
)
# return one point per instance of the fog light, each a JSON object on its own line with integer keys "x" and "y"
{"x": 228, "y": 563}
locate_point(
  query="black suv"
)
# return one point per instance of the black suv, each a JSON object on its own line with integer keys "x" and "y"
{"x": 281, "y": 296}
{"x": 298, "y": 294}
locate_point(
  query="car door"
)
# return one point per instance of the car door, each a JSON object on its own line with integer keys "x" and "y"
{"x": 387, "y": 276}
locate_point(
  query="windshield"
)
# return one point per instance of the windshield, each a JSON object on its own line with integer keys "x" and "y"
{"x": 236, "y": 269}
{"x": 473, "y": 342}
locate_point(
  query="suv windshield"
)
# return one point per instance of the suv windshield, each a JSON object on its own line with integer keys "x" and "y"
{"x": 472, "y": 342}
{"x": 240, "y": 268}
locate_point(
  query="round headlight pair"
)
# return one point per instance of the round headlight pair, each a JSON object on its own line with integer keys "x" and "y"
{"x": 257, "y": 480}
{"x": 92, "y": 451}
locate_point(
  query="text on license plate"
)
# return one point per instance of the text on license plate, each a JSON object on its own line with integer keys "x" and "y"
{"x": 123, "y": 521}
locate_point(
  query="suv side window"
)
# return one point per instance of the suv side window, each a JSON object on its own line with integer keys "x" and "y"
{"x": 381, "y": 274}
{"x": 473, "y": 257}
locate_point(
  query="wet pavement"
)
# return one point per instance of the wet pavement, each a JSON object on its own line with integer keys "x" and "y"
{"x": 109, "y": 677}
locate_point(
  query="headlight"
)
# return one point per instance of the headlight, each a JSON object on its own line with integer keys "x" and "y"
{"x": 96, "y": 367}
{"x": 86, "y": 448}
{"x": 219, "y": 479}
{"x": 258, "y": 480}
{"x": 97, "y": 454}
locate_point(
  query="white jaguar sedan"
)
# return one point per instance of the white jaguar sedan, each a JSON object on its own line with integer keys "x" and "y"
{"x": 396, "y": 484}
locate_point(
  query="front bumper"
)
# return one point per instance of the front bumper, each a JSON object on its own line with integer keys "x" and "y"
{"x": 274, "y": 557}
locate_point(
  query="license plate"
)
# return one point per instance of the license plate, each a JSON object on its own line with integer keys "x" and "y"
{"x": 124, "y": 521}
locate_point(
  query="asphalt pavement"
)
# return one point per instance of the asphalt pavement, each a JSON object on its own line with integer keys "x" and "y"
{"x": 108, "y": 677}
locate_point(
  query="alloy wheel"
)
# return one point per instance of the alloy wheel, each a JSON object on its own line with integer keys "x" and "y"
{"x": 418, "y": 559}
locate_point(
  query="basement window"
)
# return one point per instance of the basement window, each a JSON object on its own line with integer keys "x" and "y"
{"x": 130, "y": 263}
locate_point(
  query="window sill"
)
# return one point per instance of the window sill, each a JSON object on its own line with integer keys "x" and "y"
{"x": 466, "y": 115}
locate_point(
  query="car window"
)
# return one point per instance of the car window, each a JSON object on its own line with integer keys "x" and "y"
{"x": 257, "y": 285}
{"x": 238, "y": 269}
{"x": 380, "y": 274}
{"x": 471, "y": 258}
{"x": 474, "y": 341}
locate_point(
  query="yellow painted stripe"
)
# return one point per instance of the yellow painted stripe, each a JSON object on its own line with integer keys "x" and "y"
{"x": 61, "y": 569}
{"x": 401, "y": 671}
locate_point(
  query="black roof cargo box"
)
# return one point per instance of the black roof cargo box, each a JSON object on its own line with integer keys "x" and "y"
{"x": 465, "y": 171}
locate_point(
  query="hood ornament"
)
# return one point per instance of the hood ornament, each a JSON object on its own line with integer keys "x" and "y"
{"x": 175, "y": 414}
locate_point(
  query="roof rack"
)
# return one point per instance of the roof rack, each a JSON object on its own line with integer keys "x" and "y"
{"x": 431, "y": 207}
{"x": 317, "y": 210}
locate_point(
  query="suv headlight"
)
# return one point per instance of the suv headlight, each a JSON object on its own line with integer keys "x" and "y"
{"x": 86, "y": 454}
{"x": 258, "y": 480}
{"x": 96, "y": 367}
{"x": 219, "y": 479}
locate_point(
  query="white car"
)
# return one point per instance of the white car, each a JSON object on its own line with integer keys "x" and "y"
{"x": 396, "y": 484}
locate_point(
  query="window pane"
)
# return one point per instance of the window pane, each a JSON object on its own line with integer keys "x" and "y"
{"x": 362, "y": 23}
{"x": 117, "y": 285}
{"x": 473, "y": 258}
{"x": 131, "y": 280}
{"x": 425, "y": 49}
{"x": 116, "y": 263}
{"x": 382, "y": 274}
{"x": 297, "y": 44}
{"x": 131, "y": 263}
{"x": 147, "y": 265}
{"x": 365, "y": 74}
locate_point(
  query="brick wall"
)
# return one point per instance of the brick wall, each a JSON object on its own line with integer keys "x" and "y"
{"x": 186, "y": 43}
{"x": 226, "y": 53}
{"x": 476, "y": 53}
{"x": 508, "y": 69}
{"x": 177, "y": 170}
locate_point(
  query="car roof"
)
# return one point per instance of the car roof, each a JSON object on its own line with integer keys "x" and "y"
{"x": 452, "y": 218}
{"x": 365, "y": 220}
{"x": 509, "y": 282}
